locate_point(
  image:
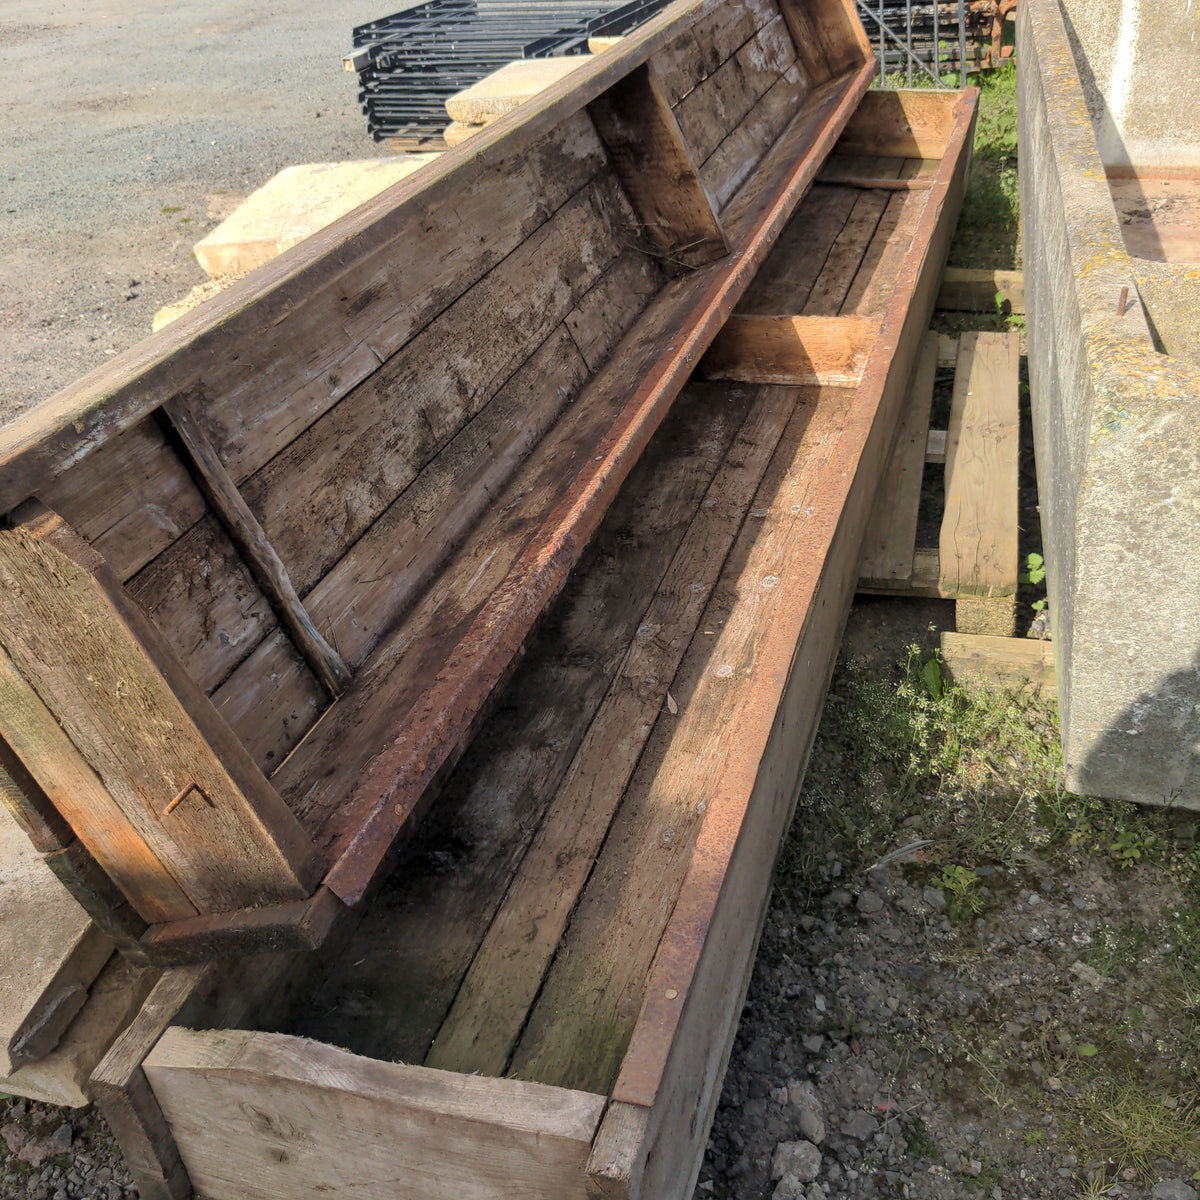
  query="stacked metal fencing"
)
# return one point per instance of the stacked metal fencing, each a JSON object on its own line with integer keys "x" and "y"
{"x": 925, "y": 40}
{"x": 410, "y": 63}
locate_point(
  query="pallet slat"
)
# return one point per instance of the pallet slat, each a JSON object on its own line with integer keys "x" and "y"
{"x": 891, "y": 534}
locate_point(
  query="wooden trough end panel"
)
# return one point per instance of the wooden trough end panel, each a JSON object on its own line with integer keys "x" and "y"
{"x": 803, "y": 351}
{"x": 304, "y": 1120}
{"x": 651, "y": 1141}
{"x": 115, "y": 732}
{"x": 655, "y": 168}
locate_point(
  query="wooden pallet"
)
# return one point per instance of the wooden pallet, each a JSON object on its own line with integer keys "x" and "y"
{"x": 975, "y": 562}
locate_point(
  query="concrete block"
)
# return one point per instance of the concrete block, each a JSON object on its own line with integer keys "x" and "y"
{"x": 294, "y": 205}
{"x": 514, "y": 83}
{"x": 50, "y": 952}
{"x": 1107, "y": 93}
{"x": 112, "y": 1002}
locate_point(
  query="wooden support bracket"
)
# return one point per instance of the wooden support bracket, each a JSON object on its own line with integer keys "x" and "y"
{"x": 652, "y": 161}
{"x": 219, "y": 489}
{"x": 802, "y": 351}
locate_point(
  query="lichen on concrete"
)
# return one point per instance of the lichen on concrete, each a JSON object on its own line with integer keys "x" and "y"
{"x": 1117, "y": 439}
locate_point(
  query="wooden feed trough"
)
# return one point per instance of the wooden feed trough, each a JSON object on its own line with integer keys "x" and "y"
{"x": 435, "y": 516}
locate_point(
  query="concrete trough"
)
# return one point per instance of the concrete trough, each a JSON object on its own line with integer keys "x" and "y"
{"x": 1110, "y": 199}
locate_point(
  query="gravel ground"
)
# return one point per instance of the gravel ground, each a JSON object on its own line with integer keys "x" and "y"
{"x": 129, "y": 128}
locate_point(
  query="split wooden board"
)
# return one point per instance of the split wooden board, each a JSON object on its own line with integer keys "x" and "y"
{"x": 976, "y": 561}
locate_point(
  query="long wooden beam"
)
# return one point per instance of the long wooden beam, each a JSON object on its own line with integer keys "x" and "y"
{"x": 821, "y": 351}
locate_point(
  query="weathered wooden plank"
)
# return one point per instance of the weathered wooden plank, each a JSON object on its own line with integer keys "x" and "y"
{"x": 315, "y": 499}
{"x": 892, "y": 532}
{"x": 999, "y": 662}
{"x": 734, "y": 160}
{"x": 387, "y": 569}
{"x": 131, "y": 498}
{"x": 491, "y": 1005}
{"x": 830, "y": 288}
{"x": 913, "y": 123}
{"x": 201, "y": 594}
{"x": 656, "y": 170}
{"x": 978, "y": 542}
{"x": 29, "y": 728}
{"x": 801, "y": 351}
{"x": 332, "y": 1122}
{"x": 966, "y": 290}
{"x": 798, "y": 151}
{"x": 714, "y": 107}
{"x": 320, "y": 494}
{"x": 701, "y": 48}
{"x": 786, "y": 279}
{"x": 579, "y": 1028}
{"x": 50, "y": 951}
{"x": 872, "y": 289}
{"x": 296, "y": 926}
{"x": 124, "y": 1094}
{"x": 421, "y": 931}
{"x": 605, "y": 313}
{"x": 247, "y": 534}
{"x": 176, "y": 775}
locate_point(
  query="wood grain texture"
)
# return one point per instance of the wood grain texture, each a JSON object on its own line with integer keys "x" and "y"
{"x": 999, "y": 662}
{"x": 578, "y": 1030}
{"x": 716, "y": 106}
{"x": 656, "y": 170}
{"x": 124, "y": 1094}
{"x": 182, "y": 784}
{"x": 387, "y": 570}
{"x": 879, "y": 272}
{"x": 61, "y": 772}
{"x": 830, "y": 288}
{"x": 800, "y": 351}
{"x": 247, "y": 534}
{"x": 977, "y": 547}
{"x": 305, "y": 1120}
{"x": 699, "y": 49}
{"x": 491, "y": 1005}
{"x": 892, "y": 532}
{"x": 733, "y": 162}
{"x": 786, "y": 279}
{"x": 201, "y": 594}
{"x": 912, "y": 123}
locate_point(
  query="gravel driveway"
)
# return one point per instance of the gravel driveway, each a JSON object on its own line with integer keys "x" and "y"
{"x": 130, "y": 128}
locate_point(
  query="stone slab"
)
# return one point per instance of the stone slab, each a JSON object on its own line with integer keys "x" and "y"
{"x": 112, "y": 1002}
{"x": 295, "y": 204}
{"x": 1108, "y": 90}
{"x": 50, "y": 951}
{"x": 503, "y": 90}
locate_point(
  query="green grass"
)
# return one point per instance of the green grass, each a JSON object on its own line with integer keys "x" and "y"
{"x": 902, "y": 754}
{"x": 988, "y": 233}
